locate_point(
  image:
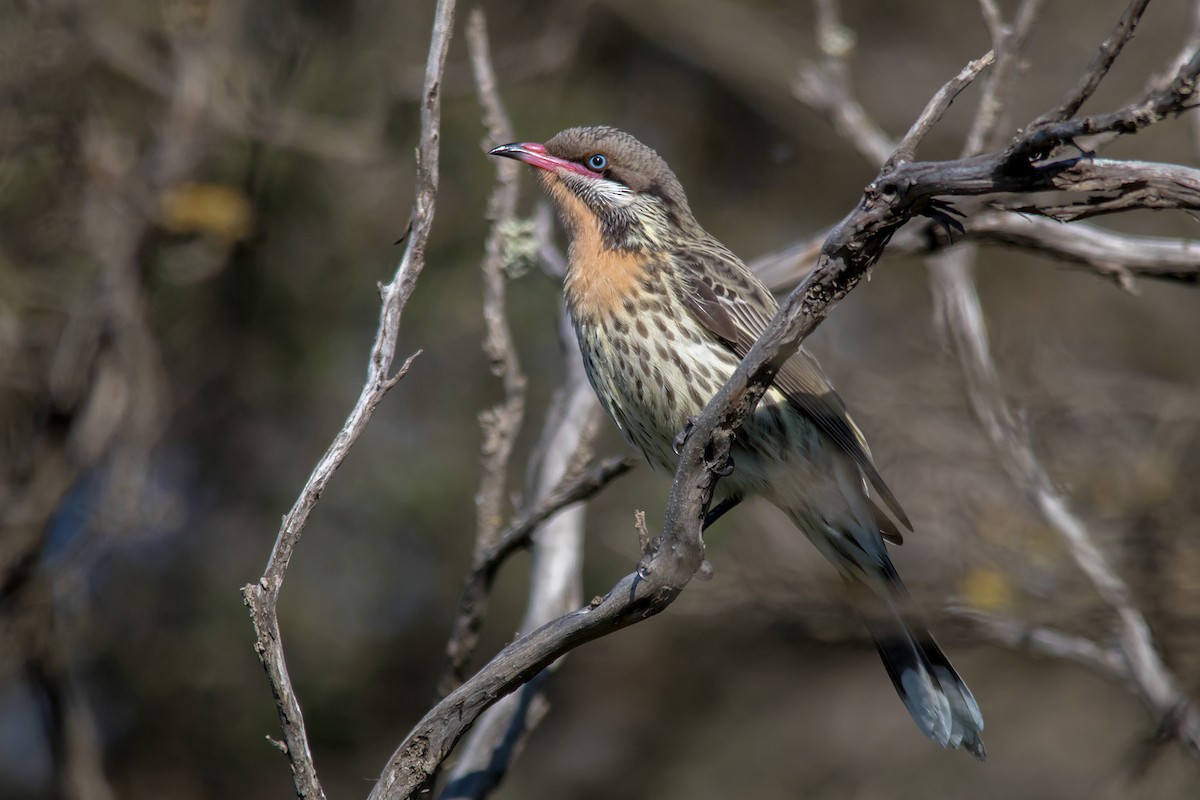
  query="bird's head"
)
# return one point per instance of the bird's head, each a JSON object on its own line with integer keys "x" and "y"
{"x": 604, "y": 179}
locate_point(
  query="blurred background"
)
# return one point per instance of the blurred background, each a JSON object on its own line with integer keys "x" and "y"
{"x": 197, "y": 200}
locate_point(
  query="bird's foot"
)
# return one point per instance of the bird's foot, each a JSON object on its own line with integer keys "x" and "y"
{"x": 681, "y": 438}
{"x": 723, "y": 470}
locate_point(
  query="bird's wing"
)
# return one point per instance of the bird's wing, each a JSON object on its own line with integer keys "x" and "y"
{"x": 734, "y": 305}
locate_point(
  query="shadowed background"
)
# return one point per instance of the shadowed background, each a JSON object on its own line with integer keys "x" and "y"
{"x": 166, "y": 386}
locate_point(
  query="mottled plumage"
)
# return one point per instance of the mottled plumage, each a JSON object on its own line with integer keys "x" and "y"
{"x": 664, "y": 313}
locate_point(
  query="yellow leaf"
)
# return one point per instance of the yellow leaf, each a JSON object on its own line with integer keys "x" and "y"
{"x": 987, "y": 589}
{"x": 217, "y": 209}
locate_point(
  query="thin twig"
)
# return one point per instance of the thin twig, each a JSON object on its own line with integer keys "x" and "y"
{"x": 936, "y": 108}
{"x": 262, "y": 597}
{"x": 502, "y": 422}
{"x": 1110, "y": 48}
{"x": 574, "y": 487}
{"x": 1009, "y": 45}
{"x": 1178, "y": 95}
{"x": 551, "y": 258}
{"x": 993, "y": 19}
{"x": 1116, "y": 256}
{"x": 1112, "y": 186}
{"x": 826, "y": 88}
{"x": 549, "y": 50}
{"x": 1042, "y": 641}
{"x": 555, "y": 580}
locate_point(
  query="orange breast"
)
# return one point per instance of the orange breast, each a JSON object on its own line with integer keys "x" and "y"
{"x": 599, "y": 279}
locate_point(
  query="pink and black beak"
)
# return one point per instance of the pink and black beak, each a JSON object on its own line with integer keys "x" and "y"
{"x": 535, "y": 155}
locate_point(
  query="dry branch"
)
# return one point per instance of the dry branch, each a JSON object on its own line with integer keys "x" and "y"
{"x": 262, "y": 598}
{"x": 502, "y": 422}
{"x": 1115, "y": 255}
{"x": 1009, "y": 44}
{"x": 826, "y": 87}
{"x": 555, "y": 582}
{"x": 575, "y": 486}
{"x": 1118, "y": 256}
{"x": 1110, "y": 48}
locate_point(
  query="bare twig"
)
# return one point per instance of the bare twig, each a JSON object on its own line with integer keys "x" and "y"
{"x": 555, "y": 582}
{"x": 1008, "y": 44}
{"x": 262, "y": 597}
{"x": 550, "y": 256}
{"x": 1114, "y": 255}
{"x": 1110, "y": 48}
{"x": 502, "y": 422}
{"x": 1048, "y": 642}
{"x": 826, "y": 88}
{"x": 643, "y": 533}
{"x": 993, "y": 19}
{"x": 935, "y": 109}
{"x": 547, "y": 51}
{"x": 1114, "y": 186}
{"x": 1175, "y": 97}
{"x": 574, "y": 487}
{"x": 1120, "y": 257}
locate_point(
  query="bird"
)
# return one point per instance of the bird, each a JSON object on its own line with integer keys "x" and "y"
{"x": 664, "y": 313}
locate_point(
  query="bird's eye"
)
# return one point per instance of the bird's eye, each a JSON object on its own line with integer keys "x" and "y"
{"x": 597, "y": 162}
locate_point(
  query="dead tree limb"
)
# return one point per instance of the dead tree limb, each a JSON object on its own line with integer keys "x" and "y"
{"x": 555, "y": 583}
{"x": 262, "y": 597}
{"x": 502, "y": 422}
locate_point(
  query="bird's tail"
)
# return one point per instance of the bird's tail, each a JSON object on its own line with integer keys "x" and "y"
{"x": 936, "y": 697}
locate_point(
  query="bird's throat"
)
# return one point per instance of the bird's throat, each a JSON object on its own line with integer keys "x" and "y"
{"x": 601, "y": 278}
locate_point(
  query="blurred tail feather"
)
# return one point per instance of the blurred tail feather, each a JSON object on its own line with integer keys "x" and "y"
{"x": 932, "y": 691}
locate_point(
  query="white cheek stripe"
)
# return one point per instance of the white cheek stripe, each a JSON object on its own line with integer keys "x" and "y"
{"x": 618, "y": 194}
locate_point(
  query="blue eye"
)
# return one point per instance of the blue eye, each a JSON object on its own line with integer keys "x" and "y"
{"x": 597, "y": 162}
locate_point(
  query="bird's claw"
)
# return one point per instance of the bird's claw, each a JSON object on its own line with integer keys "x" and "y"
{"x": 725, "y": 470}
{"x": 681, "y": 438}
{"x": 944, "y": 214}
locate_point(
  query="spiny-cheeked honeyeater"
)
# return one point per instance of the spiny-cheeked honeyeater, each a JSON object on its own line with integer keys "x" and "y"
{"x": 664, "y": 313}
